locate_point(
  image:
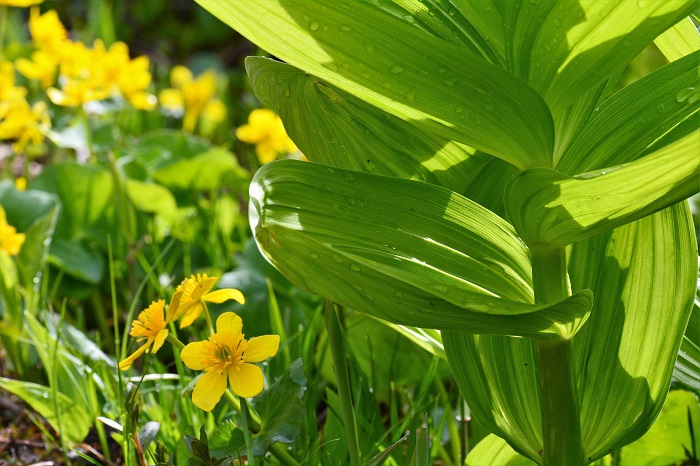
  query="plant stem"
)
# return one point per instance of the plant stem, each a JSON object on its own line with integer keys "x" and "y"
{"x": 335, "y": 337}
{"x": 561, "y": 429}
{"x": 246, "y": 432}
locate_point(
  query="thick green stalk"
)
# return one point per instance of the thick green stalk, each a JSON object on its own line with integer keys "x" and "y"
{"x": 340, "y": 365}
{"x": 559, "y": 407}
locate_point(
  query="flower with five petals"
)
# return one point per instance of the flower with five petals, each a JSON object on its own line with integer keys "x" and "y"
{"x": 225, "y": 357}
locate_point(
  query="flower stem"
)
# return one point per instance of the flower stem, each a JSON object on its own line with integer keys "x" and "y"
{"x": 208, "y": 317}
{"x": 559, "y": 408}
{"x": 246, "y": 432}
{"x": 340, "y": 365}
{"x": 277, "y": 449}
{"x": 175, "y": 341}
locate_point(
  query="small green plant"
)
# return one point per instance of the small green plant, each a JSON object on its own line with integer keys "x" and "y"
{"x": 477, "y": 175}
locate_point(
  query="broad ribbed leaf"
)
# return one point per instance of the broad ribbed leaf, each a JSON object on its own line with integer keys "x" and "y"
{"x": 438, "y": 87}
{"x": 679, "y": 41}
{"x": 564, "y": 49}
{"x": 495, "y": 450}
{"x": 632, "y": 119}
{"x": 553, "y": 209}
{"x": 408, "y": 252}
{"x": 350, "y": 133}
{"x": 644, "y": 278}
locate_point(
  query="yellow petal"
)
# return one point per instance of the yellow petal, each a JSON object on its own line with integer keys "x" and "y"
{"x": 219, "y": 296}
{"x": 195, "y": 355}
{"x": 246, "y": 380}
{"x": 174, "y": 307}
{"x": 20, "y": 3}
{"x": 160, "y": 339}
{"x": 21, "y": 183}
{"x": 142, "y": 100}
{"x": 203, "y": 287}
{"x": 266, "y": 153}
{"x": 215, "y": 111}
{"x": 208, "y": 390}
{"x": 190, "y": 311}
{"x": 128, "y": 361}
{"x": 229, "y": 325}
{"x": 261, "y": 348}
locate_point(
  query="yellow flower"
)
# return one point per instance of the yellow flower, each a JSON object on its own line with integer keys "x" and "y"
{"x": 193, "y": 97}
{"x": 21, "y": 3}
{"x": 195, "y": 292}
{"x": 21, "y": 183}
{"x": 23, "y": 123}
{"x": 10, "y": 240}
{"x": 42, "y": 67}
{"x": 149, "y": 326}
{"x": 226, "y": 355}
{"x": 47, "y": 31}
{"x": 266, "y": 131}
{"x": 8, "y": 91}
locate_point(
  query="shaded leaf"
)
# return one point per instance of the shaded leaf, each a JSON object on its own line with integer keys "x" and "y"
{"x": 687, "y": 368}
{"x": 408, "y": 252}
{"x": 440, "y": 88}
{"x": 549, "y": 208}
{"x": 495, "y": 450}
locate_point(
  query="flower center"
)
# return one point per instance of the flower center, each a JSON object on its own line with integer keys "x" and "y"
{"x": 228, "y": 355}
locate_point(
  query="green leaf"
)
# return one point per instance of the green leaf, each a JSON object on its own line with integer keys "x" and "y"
{"x": 207, "y": 171}
{"x": 350, "y": 133}
{"x": 687, "y": 368}
{"x": 280, "y": 409}
{"x": 74, "y": 422}
{"x": 563, "y": 49}
{"x": 87, "y": 198}
{"x": 407, "y": 252}
{"x": 439, "y": 88}
{"x": 644, "y": 278}
{"x": 77, "y": 261}
{"x": 627, "y": 123}
{"x": 548, "y": 208}
{"x": 679, "y": 41}
{"x": 669, "y": 439}
{"x": 495, "y": 450}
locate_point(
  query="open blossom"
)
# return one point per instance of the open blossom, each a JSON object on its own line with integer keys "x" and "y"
{"x": 151, "y": 327}
{"x": 225, "y": 357}
{"x": 20, "y": 3}
{"x": 193, "y": 97}
{"x": 195, "y": 292}
{"x": 10, "y": 241}
{"x": 266, "y": 131}
{"x": 47, "y": 31}
{"x": 23, "y": 123}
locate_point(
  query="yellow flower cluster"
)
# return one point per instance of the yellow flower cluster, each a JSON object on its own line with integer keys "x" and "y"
{"x": 10, "y": 241}
{"x": 85, "y": 74}
{"x": 192, "y": 98}
{"x": 266, "y": 131}
{"x": 224, "y": 357}
{"x": 19, "y": 120}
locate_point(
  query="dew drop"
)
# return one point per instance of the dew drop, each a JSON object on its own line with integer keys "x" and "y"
{"x": 410, "y": 96}
{"x": 458, "y": 109}
{"x": 355, "y": 267}
{"x": 396, "y": 69}
{"x": 441, "y": 70}
{"x": 451, "y": 82}
{"x": 350, "y": 201}
{"x": 398, "y": 294}
{"x": 369, "y": 47}
{"x": 330, "y": 170}
{"x": 410, "y": 19}
{"x": 345, "y": 27}
{"x": 332, "y": 66}
{"x": 685, "y": 94}
{"x": 313, "y": 255}
{"x": 348, "y": 177}
{"x": 314, "y": 25}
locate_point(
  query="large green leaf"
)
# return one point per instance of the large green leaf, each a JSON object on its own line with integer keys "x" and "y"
{"x": 65, "y": 416}
{"x": 679, "y": 41}
{"x": 549, "y": 208}
{"x": 438, "y": 87}
{"x": 565, "y": 48}
{"x": 624, "y": 125}
{"x": 350, "y": 133}
{"x": 408, "y": 252}
{"x": 644, "y": 279}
